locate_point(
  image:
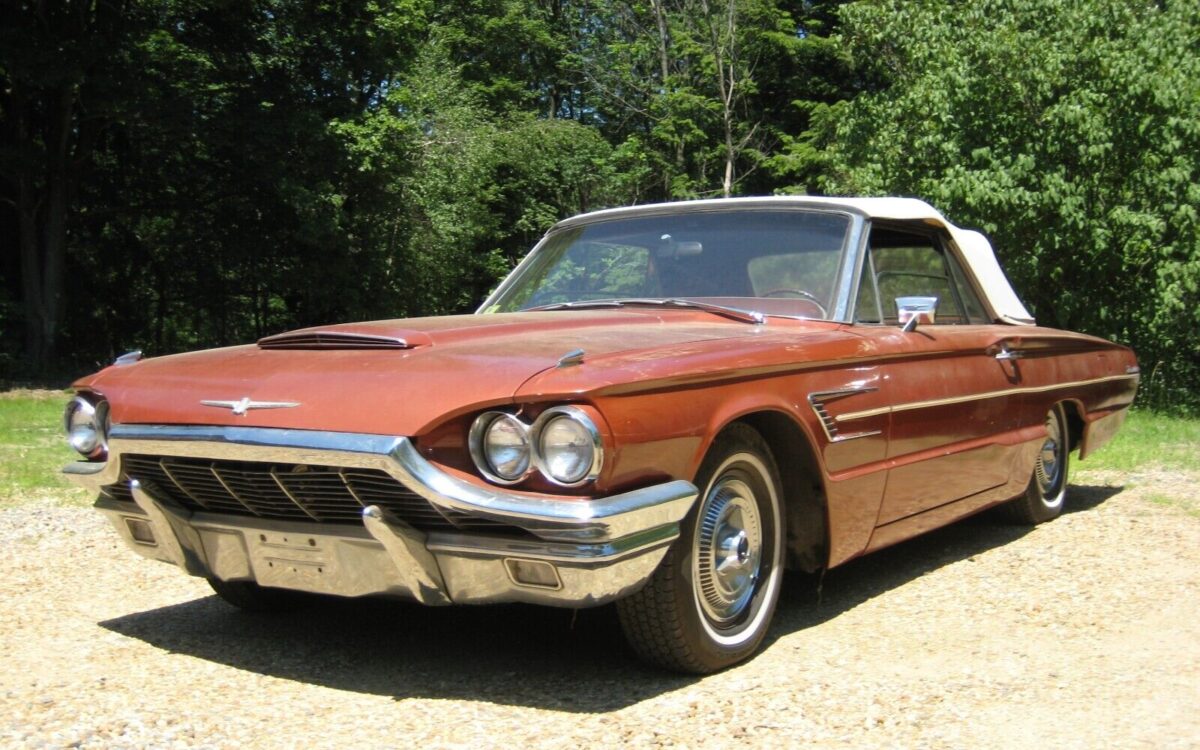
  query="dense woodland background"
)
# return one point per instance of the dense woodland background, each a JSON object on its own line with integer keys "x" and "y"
{"x": 180, "y": 174}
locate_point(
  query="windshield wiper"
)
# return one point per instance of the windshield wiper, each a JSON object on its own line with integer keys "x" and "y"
{"x": 734, "y": 313}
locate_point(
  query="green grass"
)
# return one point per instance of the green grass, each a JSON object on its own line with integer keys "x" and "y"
{"x": 33, "y": 449}
{"x": 1148, "y": 441}
{"x": 1186, "y": 504}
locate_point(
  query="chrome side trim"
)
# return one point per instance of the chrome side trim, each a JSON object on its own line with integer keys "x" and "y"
{"x": 817, "y": 401}
{"x": 850, "y": 416}
{"x": 549, "y": 517}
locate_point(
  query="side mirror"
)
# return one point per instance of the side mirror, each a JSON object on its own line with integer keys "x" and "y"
{"x": 914, "y": 310}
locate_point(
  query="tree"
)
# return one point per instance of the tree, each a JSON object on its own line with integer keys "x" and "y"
{"x": 697, "y": 94}
{"x": 1068, "y": 131}
{"x": 60, "y": 74}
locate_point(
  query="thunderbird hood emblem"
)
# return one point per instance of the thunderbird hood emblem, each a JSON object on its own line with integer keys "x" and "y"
{"x": 245, "y": 404}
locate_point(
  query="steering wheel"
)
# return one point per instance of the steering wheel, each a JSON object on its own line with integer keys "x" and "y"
{"x": 793, "y": 292}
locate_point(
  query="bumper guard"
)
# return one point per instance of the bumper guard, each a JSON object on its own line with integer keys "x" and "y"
{"x": 583, "y": 552}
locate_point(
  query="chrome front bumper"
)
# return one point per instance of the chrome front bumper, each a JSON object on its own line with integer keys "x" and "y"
{"x": 580, "y": 552}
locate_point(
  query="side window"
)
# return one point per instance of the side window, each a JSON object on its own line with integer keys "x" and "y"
{"x": 970, "y": 300}
{"x": 914, "y": 265}
{"x": 866, "y": 307}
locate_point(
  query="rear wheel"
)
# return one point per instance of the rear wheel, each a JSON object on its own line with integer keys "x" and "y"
{"x": 709, "y": 604}
{"x": 1047, "y": 490}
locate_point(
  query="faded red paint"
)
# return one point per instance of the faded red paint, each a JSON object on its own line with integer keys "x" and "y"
{"x": 663, "y": 383}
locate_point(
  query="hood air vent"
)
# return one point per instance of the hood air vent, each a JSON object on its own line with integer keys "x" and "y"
{"x": 330, "y": 340}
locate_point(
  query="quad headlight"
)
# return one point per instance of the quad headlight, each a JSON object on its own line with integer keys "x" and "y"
{"x": 86, "y": 422}
{"x": 500, "y": 447}
{"x": 563, "y": 444}
{"x": 567, "y": 446}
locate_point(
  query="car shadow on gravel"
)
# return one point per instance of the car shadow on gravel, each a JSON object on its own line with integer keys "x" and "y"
{"x": 807, "y": 601}
{"x": 515, "y": 654}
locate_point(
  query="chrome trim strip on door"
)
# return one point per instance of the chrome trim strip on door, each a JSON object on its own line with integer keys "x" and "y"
{"x": 817, "y": 401}
{"x": 850, "y": 416}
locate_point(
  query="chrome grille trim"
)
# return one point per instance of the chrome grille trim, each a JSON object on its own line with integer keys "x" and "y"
{"x": 220, "y": 480}
{"x": 286, "y": 491}
{"x": 292, "y": 497}
{"x": 162, "y": 464}
{"x": 552, "y": 518}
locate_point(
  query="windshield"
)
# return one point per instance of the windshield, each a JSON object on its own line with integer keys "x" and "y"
{"x": 773, "y": 262}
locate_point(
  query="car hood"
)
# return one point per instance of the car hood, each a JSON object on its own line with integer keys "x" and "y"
{"x": 344, "y": 381}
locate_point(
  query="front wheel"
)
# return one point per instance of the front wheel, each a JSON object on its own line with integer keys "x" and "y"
{"x": 1047, "y": 489}
{"x": 710, "y": 602}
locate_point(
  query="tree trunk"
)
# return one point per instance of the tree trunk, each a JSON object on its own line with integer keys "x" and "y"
{"x": 27, "y": 234}
{"x": 31, "y": 273}
{"x": 58, "y": 201}
{"x": 56, "y": 143}
{"x": 724, "y": 49}
{"x": 42, "y": 252}
{"x": 664, "y": 62}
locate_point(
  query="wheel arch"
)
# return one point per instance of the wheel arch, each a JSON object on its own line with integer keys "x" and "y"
{"x": 1076, "y": 423}
{"x": 803, "y": 489}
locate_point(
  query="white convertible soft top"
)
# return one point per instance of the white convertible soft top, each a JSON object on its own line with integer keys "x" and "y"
{"x": 975, "y": 249}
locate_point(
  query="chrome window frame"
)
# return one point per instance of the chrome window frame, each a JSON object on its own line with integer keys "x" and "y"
{"x": 850, "y": 262}
{"x": 943, "y": 242}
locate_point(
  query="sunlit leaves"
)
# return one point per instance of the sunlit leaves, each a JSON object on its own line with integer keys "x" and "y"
{"x": 1070, "y": 131}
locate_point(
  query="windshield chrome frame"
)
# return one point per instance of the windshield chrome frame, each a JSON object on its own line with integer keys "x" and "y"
{"x": 849, "y": 268}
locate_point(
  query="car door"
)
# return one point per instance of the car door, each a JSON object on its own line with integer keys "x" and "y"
{"x": 951, "y": 424}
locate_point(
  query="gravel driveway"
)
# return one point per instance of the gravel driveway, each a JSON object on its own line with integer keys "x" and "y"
{"x": 1084, "y": 632}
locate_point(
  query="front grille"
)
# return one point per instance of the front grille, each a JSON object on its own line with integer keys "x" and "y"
{"x": 299, "y": 492}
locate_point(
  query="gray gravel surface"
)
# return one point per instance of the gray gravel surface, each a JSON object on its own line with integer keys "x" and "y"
{"x": 1084, "y": 632}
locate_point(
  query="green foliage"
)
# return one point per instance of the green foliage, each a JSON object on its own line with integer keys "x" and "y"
{"x": 686, "y": 88}
{"x": 180, "y": 175}
{"x": 1068, "y": 131}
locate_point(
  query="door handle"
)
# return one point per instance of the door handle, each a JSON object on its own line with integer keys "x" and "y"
{"x": 1005, "y": 354}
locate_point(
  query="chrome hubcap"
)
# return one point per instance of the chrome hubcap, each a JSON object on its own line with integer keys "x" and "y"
{"x": 1049, "y": 460}
{"x": 728, "y": 550}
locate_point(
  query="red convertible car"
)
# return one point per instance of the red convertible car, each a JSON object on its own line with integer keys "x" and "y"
{"x": 663, "y": 406}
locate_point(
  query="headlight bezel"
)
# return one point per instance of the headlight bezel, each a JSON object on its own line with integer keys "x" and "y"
{"x": 94, "y": 410}
{"x": 596, "y": 442}
{"x": 480, "y": 429}
{"x": 533, "y": 432}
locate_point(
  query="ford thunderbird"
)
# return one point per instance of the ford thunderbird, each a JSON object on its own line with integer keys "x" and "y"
{"x": 664, "y": 406}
